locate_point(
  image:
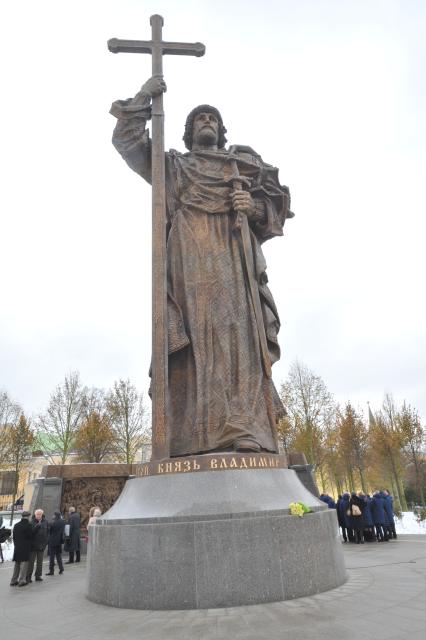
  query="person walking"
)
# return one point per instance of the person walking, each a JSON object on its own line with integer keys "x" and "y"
{"x": 73, "y": 545}
{"x": 56, "y": 538}
{"x": 38, "y": 545}
{"x": 22, "y": 538}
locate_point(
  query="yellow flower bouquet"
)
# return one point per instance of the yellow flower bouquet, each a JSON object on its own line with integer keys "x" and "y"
{"x": 299, "y": 509}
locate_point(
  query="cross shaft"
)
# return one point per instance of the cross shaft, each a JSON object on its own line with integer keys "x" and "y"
{"x": 157, "y": 48}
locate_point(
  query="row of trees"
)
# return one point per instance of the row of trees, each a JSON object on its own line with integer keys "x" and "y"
{"x": 348, "y": 450}
{"x": 92, "y": 424}
{"x": 17, "y": 440}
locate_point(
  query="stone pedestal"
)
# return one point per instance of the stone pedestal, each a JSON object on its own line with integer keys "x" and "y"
{"x": 46, "y": 495}
{"x": 217, "y": 538}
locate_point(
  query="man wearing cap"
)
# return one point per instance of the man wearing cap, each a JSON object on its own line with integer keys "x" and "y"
{"x": 222, "y": 319}
{"x": 22, "y": 538}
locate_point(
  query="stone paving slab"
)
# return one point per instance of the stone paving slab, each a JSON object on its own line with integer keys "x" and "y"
{"x": 384, "y": 599}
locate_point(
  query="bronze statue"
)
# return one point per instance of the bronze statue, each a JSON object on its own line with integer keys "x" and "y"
{"x": 222, "y": 320}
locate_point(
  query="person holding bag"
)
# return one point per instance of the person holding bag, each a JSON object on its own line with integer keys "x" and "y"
{"x": 356, "y": 507}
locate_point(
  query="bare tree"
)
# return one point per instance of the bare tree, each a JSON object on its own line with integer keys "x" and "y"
{"x": 57, "y": 427}
{"x": 94, "y": 401}
{"x": 128, "y": 418}
{"x": 95, "y": 439}
{"x": 353, "y": 444}
{"x": 413, "y": 436}
{"x": 9, "y": 410}
{"x": 310, "y": 408}
{"x": 20, "y": 439}
{"x": 387, "y": 444}
{"x": 9, "y": 415}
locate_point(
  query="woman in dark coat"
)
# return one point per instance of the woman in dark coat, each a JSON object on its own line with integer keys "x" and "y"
{"x": 340, "y": 507}
{"x": 348, "y": 520}
{"x": 379, "y": 516}
{"x": 357, "y": 504}
{"x": 22, "y": 539}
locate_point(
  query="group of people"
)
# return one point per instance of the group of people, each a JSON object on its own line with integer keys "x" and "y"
{"x": 364, "y": 518}
{"x": 31, "y": 536}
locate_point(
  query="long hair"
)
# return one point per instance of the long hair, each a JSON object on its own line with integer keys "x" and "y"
{"x": 189, "y": 125}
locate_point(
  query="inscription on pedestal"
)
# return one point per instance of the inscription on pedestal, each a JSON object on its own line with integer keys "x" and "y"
{"x": 212, "y": 462}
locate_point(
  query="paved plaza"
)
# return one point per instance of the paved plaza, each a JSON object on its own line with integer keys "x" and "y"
{"x": 383, "y": 599}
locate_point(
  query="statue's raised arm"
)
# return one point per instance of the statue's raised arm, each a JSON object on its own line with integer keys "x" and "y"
{"x": 130, "y": 137}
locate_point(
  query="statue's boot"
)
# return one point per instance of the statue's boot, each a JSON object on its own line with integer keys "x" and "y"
{"x": 245, "y": 444}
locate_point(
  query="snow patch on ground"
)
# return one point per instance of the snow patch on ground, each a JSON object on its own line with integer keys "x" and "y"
{"x": 408, "y": 524}
{"x": 7, "y": 547}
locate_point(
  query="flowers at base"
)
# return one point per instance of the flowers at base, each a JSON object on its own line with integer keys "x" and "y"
{"x": 299, "y": 509}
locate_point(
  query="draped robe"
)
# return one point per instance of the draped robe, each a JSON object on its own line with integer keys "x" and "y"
{"x": 218, "y": 390}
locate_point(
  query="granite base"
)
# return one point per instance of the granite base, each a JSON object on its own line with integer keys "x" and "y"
{"x": 212, "y": 539}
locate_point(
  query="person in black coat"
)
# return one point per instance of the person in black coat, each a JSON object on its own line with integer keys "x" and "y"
{"x": 22, "y": 538}
{"x": 73, "y": 542}
{"x": 357, "y": 507}
{"x": 38, "y": 545}
{"x": 347, "y": 517}
{"x": 369, "y": 533}
{"x": 56, "y": 538}
{"x": 341, "y": 508}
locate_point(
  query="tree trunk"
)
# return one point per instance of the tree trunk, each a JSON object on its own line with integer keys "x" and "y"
{"x": 351, "y": 480}
{"x": 323, "y": 481}
{"x": 398, "y": 485}
{"x": 361, "y": 476}
{"x": 338, "y": 484}
{"x": 419, "y": 475}
{"x": 15, "y": 491}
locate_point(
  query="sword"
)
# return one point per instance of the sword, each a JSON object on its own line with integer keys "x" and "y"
{"x": 241, "y": 224}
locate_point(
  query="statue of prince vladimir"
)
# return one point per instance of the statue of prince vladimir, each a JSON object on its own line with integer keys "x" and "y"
{"x": 222, "y": 204}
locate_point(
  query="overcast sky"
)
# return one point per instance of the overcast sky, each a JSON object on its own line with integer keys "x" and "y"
{"x": 332, "y": 92}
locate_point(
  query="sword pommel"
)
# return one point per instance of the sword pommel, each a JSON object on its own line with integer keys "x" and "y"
{"x": 156, "y": 19}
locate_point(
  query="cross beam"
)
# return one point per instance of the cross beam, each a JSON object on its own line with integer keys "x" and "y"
{"x": 157, "y": 48}
{"x": 147, "y": 46}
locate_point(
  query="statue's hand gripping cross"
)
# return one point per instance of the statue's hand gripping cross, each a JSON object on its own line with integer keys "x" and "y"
{"x": 157, "y": 48}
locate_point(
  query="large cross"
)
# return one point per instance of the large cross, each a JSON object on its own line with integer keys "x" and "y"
{"x": 157, "y": 48}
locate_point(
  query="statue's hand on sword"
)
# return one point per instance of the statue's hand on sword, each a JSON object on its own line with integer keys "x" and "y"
{"x": 243, "y": 203}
